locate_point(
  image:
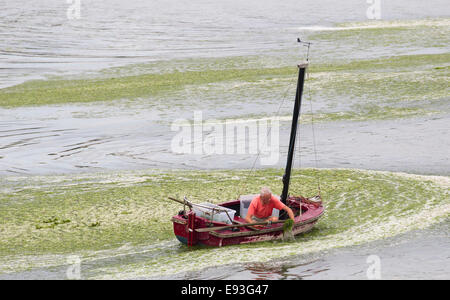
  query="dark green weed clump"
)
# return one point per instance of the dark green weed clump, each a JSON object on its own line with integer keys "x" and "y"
{"x": 288, "y": 225}
{"x": 52, "y": 222}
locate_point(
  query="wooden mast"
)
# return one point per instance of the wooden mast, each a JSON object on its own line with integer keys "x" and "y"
{"x": 295, "y": 116}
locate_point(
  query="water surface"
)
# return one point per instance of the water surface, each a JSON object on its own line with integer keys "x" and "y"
{"x": 378, "y": 90}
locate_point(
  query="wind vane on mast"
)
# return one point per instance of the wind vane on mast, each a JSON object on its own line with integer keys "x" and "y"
{"x": 306, "y": 44}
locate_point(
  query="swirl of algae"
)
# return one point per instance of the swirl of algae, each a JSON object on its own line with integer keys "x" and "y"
{"x": 127, "y": 214}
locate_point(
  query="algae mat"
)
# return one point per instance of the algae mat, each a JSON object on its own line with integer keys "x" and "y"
{"x": 125, "y": 217}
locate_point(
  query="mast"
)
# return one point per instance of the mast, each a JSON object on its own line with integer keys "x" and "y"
{"x": 295, "y": 116}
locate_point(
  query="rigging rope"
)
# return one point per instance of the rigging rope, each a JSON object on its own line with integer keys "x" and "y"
{"x": 244, "y": 183}
{"x": 312, "y": 128}
{"x": 297, "y": 140}
{"x": 313, "y": 134}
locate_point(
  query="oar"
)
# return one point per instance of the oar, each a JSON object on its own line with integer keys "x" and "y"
{"x": 182, "y": 202}
{"x": 207, "y": 229}
{"x": 198, "y": 205}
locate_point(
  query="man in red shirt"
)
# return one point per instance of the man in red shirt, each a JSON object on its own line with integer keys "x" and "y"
{"x": 261, "y": 207}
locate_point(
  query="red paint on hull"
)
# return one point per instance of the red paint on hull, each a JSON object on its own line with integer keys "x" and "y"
{"x": 184, "y": 226}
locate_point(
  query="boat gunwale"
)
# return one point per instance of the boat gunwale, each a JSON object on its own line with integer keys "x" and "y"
{"x": 263, "y": 231}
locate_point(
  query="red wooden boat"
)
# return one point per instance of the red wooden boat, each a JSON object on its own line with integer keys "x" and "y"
{"x": 199, "y": 225}
{"x": 193, "y": 230}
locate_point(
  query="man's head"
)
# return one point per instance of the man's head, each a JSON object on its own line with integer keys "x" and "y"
{"x": 265, "y": 195}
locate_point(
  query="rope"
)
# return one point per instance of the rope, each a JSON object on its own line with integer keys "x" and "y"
{"x": 312, "y": 128}
{"x": 244, "y": 183}
{"x": 297, "y": 140}
{"x": 313, "y": 133}
{"x": 298, "y": 152}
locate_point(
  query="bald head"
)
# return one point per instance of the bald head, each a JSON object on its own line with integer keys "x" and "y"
{"x": 265, "y": 194}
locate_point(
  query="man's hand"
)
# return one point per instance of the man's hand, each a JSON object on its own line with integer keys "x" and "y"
{"x": 249, "y": 219}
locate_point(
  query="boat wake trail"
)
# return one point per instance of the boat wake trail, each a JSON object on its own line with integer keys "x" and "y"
{"x": 401, "y": 218}
{"x": 361, "y": 207}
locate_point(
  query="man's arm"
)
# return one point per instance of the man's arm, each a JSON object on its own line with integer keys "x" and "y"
{"x": 289, "y": 211}
{"x": 250, "y": 212}
{"x": 248, "y": 218}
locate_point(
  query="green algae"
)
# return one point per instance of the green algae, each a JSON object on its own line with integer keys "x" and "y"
{"x": 288, "y": 225}
{"x": 412, "y": 77}
{"x": 88, "y": 90}
{"x": 389, "y": 87}
{"x": 359, "y": 113}
{"x": 106, "y": 216}
{"x": 392, "y": 63}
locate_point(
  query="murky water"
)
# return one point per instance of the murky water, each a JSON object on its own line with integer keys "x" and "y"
{"x": 414, "y": 255}
{"x": 39, "y": 40}
{"x": 418, "y": 254}
{"x": 61, "y": 142}
{"x": 124, "y": 38}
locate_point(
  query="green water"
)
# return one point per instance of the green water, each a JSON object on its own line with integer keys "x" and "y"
{"x": 365, "y": 72}
{"x": 94, "y": 216}
{"x": 377, "y": 85}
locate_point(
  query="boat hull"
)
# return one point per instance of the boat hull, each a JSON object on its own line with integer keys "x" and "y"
{"x": 185, "y": 226}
